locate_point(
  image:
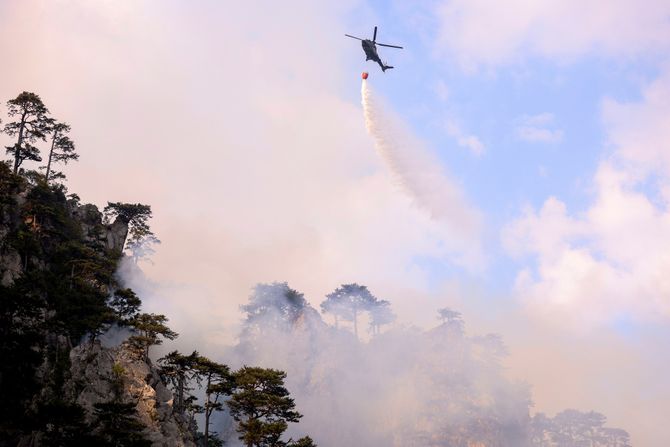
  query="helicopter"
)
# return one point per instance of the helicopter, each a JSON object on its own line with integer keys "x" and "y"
{"x": 370, "y": 48}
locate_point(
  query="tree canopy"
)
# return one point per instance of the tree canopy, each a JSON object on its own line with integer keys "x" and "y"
{"x": 347, "y": 302}
{"x": 31, "y": 124}
{"x": 149, "y": 330}
{"x": 262, "y": 407}
{"x": 217, "y": 382}
{"x": 273, "y": 305}
{"x": 380, "y": 314}
{"x": 62, "y": 148}
{"x": 136, "y": 215}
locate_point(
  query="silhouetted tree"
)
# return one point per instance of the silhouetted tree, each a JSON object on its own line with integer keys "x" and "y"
{"x": 448, "y": 316}
{"x": 125, "y": 304}
{"x": 380, "y": 314}
{"x": 451, "y": 318}
{"x": 21, "y": 332}
{"x": 64, "y": 425}
{"x": 303, "y": 442}
{"x": 572, "y": 427}
{"x": 31, "y": 124}
{"x": 177, "y": 370}
{"x": 191, "y": 410}
{"x": 615, "y": 437}
{"x": 141, "y": 245}
{"x": 62, "y": 148}
{"x": 217, "y": 381}
{"x": 136, "y": 216}
{"x": 492, "y": 346}
{"x": 347, "y": 302}
{"x": 541, "y": 428}
{"x": 149, "y": 328}
{"x": 273, "y": 305}
{"x": 131, "y": 213}
{"x": 575, "y": 428}
{"x": 118, "y": 425}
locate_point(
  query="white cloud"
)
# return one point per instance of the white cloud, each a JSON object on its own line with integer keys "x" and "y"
{"x": 484, "y": 32}
{"x": 641, "y": 130}
{"x": 463, "y": 139}
{"x": 611, "y": 260}
{"x": 537, "y": 129}
{"x": 542, "y": 232}
{"x": 535, "y": 134}
{"x": 541, "y": 119}
{"x": 441, "y": 90}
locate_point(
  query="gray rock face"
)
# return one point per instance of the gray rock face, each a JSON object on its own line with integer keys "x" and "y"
{"x": 116, "y": 235}
{"x": 10, "y": 260}
{"x": 104, "y": 236}
{"x": 112, "y": 236}
{"x": 90, "y": 220}
{"x": 10, "y": 267}
{"x": 95, "y": 369}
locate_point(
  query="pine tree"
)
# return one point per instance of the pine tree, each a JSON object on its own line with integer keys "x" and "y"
{"x": 65, "y": 425}
{"x": 261, "y": 405}
{"x": 31, "y": 125}
{"x": 125, "y": 305}
{"x": 136, "y": 215}
{"x": 347, "y": 302}
{"x": 451, "y": 319}
{"x": 380, "y": 314}
{"x": 62, "y": 148}
{"x": 273, "y": 305}
{"x": 118, "y": 425}
{"x": 177, "y": 370}
{"x": 149, "y": 328}
{"x": 303, "y": 442}
{"x": 217, "y": 381}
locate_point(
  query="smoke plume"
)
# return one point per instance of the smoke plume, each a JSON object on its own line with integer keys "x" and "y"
{"x": 405, "y": 387}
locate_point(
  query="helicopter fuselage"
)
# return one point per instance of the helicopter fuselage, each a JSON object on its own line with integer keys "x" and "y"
{"x": 370, "y": 50}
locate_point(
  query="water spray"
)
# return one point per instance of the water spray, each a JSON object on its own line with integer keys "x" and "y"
{"x": 418, "y": 172}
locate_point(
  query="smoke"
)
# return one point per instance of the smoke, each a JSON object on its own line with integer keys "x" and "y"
{"x": 114, "y": 336}
{"x": 420, "y": 176}
{"x": 405, "y": 387}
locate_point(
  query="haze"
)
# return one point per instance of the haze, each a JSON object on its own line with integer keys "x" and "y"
{"x": 242, "y": 127}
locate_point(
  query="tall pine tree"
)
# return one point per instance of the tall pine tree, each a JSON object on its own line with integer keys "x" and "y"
{"x": 62, "y": 148}
{"x": 31, "y": 124}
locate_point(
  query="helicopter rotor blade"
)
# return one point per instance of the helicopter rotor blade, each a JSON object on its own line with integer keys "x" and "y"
{"x": 353, "y": 37}
{"x": 374, "y": 36}
{"x": 390, "y": 46}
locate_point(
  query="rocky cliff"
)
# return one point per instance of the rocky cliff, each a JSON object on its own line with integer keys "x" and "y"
{"x": 95, "y": 374}
{"x": 58, "y": 260}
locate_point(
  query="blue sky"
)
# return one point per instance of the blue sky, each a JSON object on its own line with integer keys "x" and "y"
{"x": 491, "y": 104}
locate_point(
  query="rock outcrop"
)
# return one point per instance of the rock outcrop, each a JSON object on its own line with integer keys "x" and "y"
{"x": 98, "y": 374}
{"x": 10, "y": 260}
{"x": 111, "y": 236}
{"x": 10, "y": 267}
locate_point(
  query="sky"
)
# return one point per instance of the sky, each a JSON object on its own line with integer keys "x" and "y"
{"x": 242, "y": 126}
